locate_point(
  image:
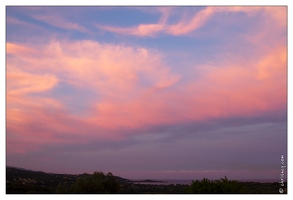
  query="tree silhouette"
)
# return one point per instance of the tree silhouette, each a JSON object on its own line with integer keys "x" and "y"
{"x": 97, "y": 183}
{"x": 222, "y": 186}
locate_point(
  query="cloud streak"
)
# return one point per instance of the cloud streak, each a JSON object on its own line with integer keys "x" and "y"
{"x": 188, "y": 25}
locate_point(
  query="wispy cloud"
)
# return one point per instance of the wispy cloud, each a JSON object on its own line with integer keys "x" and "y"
{"x": 24, "y": 83}
{"x": 188, "y": 25}
{"x": 60, "y": 22}
{"x": 140, "y": 30}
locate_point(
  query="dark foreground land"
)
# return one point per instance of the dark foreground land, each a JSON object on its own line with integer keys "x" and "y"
{"x": 21, "y": 181}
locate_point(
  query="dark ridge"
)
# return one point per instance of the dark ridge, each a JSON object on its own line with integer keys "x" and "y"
{"x": 24, "y": 181}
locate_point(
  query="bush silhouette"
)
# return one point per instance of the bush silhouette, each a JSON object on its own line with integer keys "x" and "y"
{"x": 222, "y": 186}
{"x": 97, "y": 183}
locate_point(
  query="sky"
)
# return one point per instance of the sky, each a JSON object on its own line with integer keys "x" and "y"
{"x": 182, "y": 92}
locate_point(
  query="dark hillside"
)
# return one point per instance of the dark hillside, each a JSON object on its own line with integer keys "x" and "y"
{"x": 22, "y": 181}
{"x": 27, "y": 181}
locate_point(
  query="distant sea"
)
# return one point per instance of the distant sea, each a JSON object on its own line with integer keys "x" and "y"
{"x": 165, "y": 182}
{"x": 188, "y": 182}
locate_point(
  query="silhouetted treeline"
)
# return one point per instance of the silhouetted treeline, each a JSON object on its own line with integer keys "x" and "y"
{"x": 222, "y": 186}
{"x": 19, "y": 181}
{"x": 97, "y": 183}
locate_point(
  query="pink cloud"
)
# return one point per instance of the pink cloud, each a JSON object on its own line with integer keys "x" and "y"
{"x": 273, "y": 65}
{"x": 235, "y": 87}
{"x": 111, "y": 71}
{"x": 241, "y": 86}
{"x": 33, "y": 122}
{"x": 186, "y": 25}
{"x": 238, "y": 92}
{"x": 183, "y": 27}
{"x": 18, "y": 49}
{"x": 140, "y": 30}
{"x": 22, "y": 83}
{"x": 59, "y": 21}
{"x": 134, "y": 88}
